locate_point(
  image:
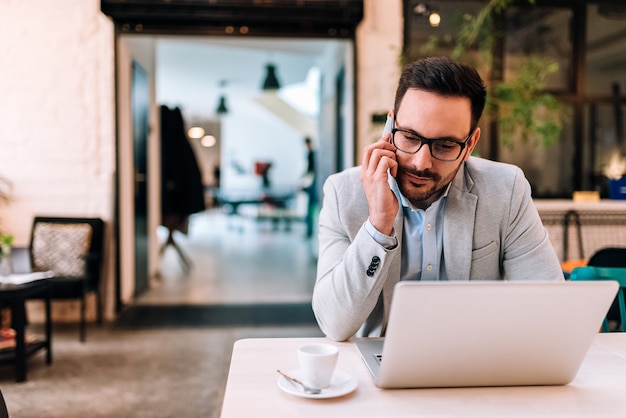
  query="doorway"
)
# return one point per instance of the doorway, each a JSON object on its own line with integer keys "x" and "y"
{"x": 230, "y": 253}
{"x": 286, "y": 28}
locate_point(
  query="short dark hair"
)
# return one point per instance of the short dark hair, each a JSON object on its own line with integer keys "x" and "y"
{"x": 446, "y": 77}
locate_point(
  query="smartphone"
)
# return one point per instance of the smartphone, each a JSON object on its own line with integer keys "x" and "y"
{"x": 388, "y": 125}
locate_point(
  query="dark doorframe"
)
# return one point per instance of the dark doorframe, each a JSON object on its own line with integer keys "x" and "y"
{"x": 285, "y": 18}
{"x": 340, "y": 82}
{"x": 140, "y": 104}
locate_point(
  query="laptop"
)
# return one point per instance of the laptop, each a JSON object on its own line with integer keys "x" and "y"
{"x": 465, "y": 334}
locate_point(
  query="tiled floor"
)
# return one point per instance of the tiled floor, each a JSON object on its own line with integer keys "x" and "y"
{"x": 236, "y": 260}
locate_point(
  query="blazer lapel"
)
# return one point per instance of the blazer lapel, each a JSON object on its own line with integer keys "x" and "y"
{"x": 458, "y": 227}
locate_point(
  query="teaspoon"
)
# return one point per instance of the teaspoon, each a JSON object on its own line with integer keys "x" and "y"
{"x": 307, "y": 389}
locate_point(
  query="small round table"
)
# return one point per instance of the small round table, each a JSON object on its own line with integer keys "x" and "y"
{"x": 14, "y": 296}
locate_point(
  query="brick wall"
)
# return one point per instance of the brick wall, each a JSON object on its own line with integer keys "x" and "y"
{"x": 57, "y": 129}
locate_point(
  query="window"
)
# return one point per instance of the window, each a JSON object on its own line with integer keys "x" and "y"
{"x": 592, "y": 87}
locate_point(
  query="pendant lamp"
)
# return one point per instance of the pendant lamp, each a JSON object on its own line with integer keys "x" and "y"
{"x": 221, "y": 106}
{"x": 271, "y": 81}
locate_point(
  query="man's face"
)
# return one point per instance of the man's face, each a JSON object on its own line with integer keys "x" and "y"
{"x": 421, "y": 177}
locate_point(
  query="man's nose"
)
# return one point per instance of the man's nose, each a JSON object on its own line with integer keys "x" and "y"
{"x": 423, "y": 159}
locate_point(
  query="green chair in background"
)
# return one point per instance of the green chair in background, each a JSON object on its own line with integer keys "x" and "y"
{"x": 617, "y": 274}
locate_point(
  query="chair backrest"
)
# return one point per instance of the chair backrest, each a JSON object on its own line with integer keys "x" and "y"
{"x": 70, "y": 247}
{"x": 617, "y": 274}
{"x": 608, "y": 257}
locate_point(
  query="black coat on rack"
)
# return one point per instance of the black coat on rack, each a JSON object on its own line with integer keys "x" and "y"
{"x": 182, "y": 191}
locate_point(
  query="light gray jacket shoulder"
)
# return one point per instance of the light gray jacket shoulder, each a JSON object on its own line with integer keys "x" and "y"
{"x": 492, "y": 231}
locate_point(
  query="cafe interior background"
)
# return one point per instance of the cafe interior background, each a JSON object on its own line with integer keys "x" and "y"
{"x": 66, "y": 137}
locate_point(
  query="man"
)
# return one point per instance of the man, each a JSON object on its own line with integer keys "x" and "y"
{"x": 309, "y": 185}
{"x": 421, "y": 208}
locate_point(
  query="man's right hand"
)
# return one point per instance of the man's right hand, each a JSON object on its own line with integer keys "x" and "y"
{"x": 379, "y": 158}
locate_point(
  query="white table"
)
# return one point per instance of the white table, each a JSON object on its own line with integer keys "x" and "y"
{"x": 599, "y": 390}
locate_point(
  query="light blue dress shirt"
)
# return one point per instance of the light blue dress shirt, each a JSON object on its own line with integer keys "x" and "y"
{"x": 422, "y": 239}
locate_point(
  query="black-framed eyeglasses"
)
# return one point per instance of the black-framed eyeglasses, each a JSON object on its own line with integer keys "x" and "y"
{"x": 442, "y": 149}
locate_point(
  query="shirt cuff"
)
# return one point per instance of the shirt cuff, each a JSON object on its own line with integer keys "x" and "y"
{"x": 388, "y": 242}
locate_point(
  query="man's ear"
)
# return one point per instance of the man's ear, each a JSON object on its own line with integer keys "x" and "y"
{"x": 471, "y": 144}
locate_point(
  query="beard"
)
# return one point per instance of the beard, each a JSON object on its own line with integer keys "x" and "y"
{"x": 422, "y": 195}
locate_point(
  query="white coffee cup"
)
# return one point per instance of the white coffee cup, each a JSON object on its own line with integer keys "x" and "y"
{"x": 317, "y": 364}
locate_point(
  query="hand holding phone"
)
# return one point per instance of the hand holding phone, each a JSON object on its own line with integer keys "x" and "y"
{"x": 379, "y": 161}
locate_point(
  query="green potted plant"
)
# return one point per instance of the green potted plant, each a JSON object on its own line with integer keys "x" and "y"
{"x": 6, "y": 239}
{"x": 6, "y": 243}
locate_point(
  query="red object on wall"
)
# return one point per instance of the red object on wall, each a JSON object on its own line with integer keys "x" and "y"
{"x": 261, "y": 168}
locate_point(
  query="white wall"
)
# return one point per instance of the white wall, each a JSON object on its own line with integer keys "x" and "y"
{"x": 251, "y": 133}
{"x": 57, "y": 130}
{"x": 379, "y": 46}
{"x": 57, "y": 105}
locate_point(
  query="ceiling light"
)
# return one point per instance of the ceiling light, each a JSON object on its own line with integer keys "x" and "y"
{"x": 271, "y": 81}
{"x": 208, "y": 141}
{"x": 434, "y": 19}
{"x": 195, "y": 132}
{"x": 424, "y": 10}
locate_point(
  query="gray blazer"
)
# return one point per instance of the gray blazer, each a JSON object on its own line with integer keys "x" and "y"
{"x": 492, "y": 231}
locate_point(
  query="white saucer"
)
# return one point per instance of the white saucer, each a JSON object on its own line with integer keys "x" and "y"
{"x": 341, "y": 384}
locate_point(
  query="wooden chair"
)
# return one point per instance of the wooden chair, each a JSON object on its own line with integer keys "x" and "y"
{"x": 72, "y": 248}
{"x": 606, "y": 273}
